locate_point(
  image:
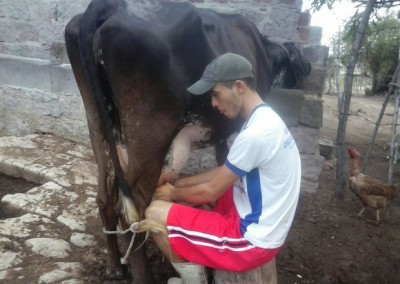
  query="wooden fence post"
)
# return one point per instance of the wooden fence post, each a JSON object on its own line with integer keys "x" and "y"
{"x": 394, "y": 143}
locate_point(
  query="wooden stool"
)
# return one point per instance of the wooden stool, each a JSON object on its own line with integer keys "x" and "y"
{"x": 265, "y": 274}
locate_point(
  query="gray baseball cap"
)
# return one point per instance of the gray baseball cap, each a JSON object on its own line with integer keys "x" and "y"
{"x": 226, "y": 67}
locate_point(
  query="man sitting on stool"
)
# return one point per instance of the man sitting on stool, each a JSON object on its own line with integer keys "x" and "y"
{"x": 255, "y": 191}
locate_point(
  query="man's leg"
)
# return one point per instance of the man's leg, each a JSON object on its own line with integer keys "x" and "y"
{"x": 158, "y": 212}
{"x": 190, "y": 273}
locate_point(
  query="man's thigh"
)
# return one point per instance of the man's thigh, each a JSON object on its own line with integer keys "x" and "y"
{"x": 213, "y": 239}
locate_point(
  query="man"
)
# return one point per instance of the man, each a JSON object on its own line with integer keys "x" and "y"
{"x": 255, "y": 191}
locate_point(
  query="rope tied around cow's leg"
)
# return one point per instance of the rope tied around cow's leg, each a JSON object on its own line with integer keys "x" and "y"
{"x": 134, "y": 228}
{"x": 138, "y": 227}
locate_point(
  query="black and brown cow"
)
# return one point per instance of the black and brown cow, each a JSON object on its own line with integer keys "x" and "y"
{"x": 133, "y": 61}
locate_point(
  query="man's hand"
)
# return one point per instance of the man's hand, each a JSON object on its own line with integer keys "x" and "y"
{"x": 164, "y": 192}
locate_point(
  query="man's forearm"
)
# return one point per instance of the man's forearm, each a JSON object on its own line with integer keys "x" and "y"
{"x": 196, "y": 179}
{"x": 194, "y": 194}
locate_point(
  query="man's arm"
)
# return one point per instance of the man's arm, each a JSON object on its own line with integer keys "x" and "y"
{"x": 201, "y": 193}
{"x": 196, "y": 179}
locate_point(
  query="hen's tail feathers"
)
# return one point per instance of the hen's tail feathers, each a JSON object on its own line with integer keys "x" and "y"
{"x": 390, "y": 191}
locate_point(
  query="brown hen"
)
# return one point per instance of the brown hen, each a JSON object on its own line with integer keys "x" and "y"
{"x": 372, "y": 192}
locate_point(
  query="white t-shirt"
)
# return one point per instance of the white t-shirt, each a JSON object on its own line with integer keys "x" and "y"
{"x": 265, "y": 157}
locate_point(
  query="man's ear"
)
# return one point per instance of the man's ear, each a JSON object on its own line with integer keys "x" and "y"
{"x": 240, "y": 86}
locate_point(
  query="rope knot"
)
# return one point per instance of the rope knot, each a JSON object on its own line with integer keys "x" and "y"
{"x": 134, "y": 228}
{"x": 138, "y": 227}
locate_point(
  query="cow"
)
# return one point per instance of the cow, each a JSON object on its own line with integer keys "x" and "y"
{"x": 133, "y": 61}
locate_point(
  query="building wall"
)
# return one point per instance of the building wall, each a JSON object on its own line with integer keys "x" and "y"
{"x": 38, "y": 93}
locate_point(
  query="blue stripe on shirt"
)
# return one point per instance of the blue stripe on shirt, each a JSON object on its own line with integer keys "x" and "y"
{"x": 255, "y": 198}
{"x": 234, "y": 169}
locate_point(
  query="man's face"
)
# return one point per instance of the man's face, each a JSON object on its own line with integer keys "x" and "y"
{"x": 226, "y": 100}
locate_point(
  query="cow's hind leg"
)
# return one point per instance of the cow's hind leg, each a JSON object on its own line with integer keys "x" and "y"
{"x": 106, "y": 188}
{"x": 107, "y": 197}
{"x": 147, "y": 114}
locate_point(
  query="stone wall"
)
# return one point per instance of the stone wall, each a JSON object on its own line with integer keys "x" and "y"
{"x": 38, "y": 93}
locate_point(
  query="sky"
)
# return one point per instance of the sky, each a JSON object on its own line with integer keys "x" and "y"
{"x": 330, "y": 20}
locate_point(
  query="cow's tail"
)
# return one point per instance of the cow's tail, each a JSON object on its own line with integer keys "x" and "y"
{"x": 95, "y": 15}
{"x": 129, "y": 210}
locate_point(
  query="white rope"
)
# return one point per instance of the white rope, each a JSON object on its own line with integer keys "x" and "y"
{"x": 134, "y": 228}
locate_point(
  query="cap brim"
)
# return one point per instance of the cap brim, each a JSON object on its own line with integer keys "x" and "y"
{"x": 201, "y": 87}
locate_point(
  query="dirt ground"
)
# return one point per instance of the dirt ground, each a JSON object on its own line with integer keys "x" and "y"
{"x": 326, "y": 244}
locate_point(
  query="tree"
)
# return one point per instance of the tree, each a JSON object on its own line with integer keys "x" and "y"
{"x": 396, "y": 80}
{"x": 341, "y": 176}
{"x": 378, "y": 53}
{"x": 381, "y": 52}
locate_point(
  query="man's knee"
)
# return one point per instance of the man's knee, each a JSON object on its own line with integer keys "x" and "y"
{"x": 149, "y": 213}
{"x": 158, "y": 211}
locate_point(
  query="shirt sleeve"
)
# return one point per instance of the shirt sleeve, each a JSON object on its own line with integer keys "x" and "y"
{"x": 248, "y": 151}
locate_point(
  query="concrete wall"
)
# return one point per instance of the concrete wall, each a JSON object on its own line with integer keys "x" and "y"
{"x": 38, "y": 93}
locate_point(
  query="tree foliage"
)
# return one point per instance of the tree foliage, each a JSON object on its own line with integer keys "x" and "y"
{"x": 379, "y": 51}
{"x": 316, "y": 5}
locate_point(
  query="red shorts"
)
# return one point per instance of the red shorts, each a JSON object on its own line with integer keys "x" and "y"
{"x": 213, "y": 238}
